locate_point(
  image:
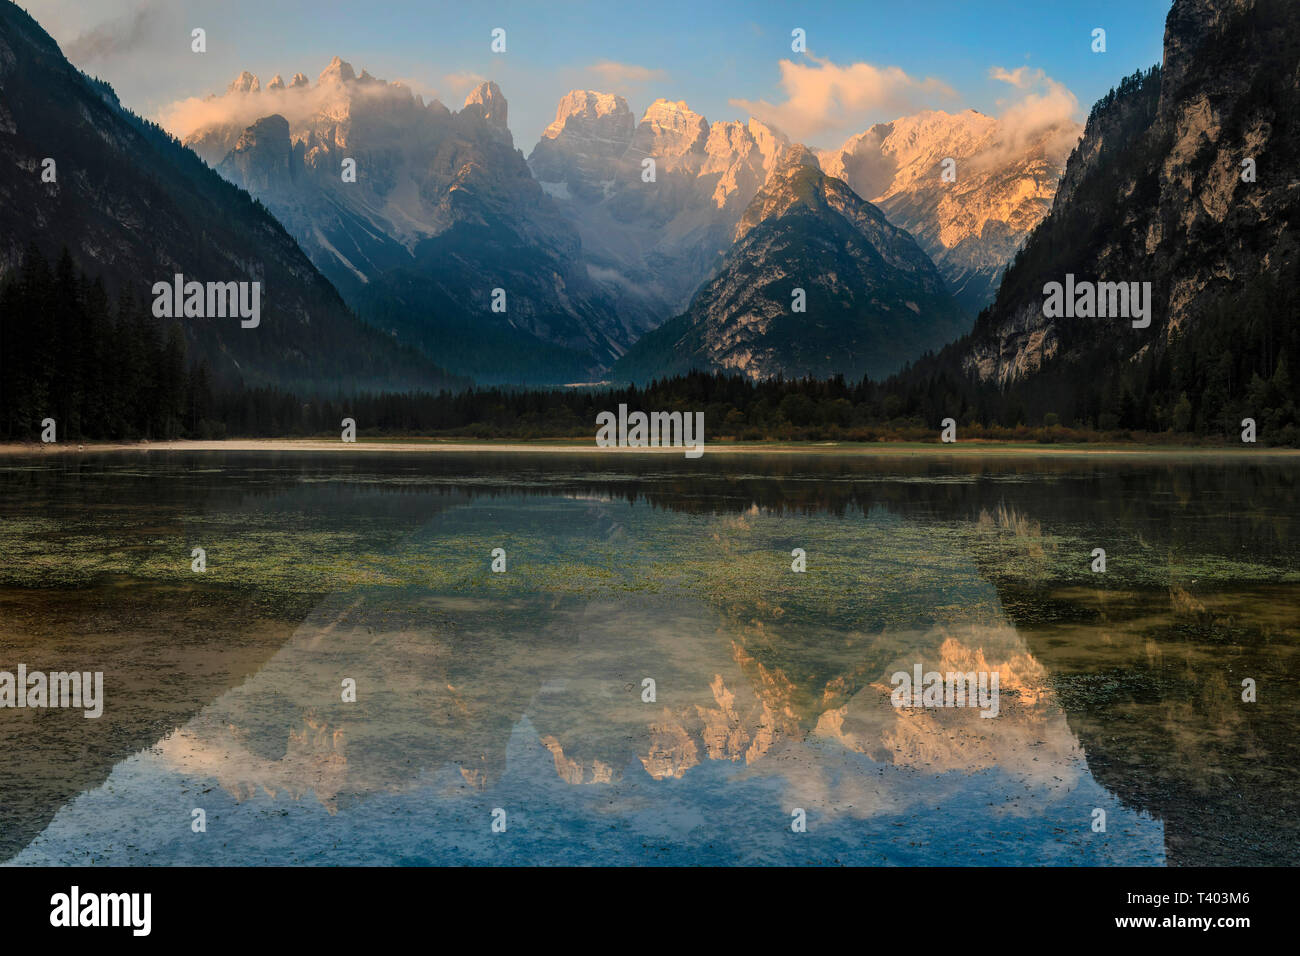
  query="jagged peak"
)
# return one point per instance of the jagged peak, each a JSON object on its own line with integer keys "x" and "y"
{"x": 244, "y": 83}
{"x": 673, "y": 113}
{"x": 299, "y": 79}
{"x": 488, "y": 101}
{"x": 268, "y": 129}
{"x": 277, "y": 83}
{"x": 799, "y": 155}
{"x": 799, "y": 183}
{"x": 587, "y": 107}
{"x": 339, "y": 70}
{"x": 588, "y": 103}
{"x": 671, "y": 130}
{"x": 593, "y": 101}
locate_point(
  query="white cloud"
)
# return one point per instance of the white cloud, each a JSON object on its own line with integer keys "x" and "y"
{"x": 823, "y": 98}
{"x": 1021, "y": 77}
{"x": 624, "y": 74}
{"x": 1047, "y": 111}
{"x": 296, "y": 105}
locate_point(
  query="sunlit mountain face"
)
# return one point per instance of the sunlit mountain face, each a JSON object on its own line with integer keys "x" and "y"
{"x": 818, "y": 283}
{"x": 1002, "y": 177}
{"x": 1181, "y": 143}
{"x": 649, "y": 680}
{"x": 618, "y": 222}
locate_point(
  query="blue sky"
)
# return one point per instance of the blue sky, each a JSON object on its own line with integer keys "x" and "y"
{"x": 867, "y": 61}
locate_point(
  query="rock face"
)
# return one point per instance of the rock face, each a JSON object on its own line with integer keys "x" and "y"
{"x": 262, "y": 158}
{"x": 133, "y": 208}
{"x": 873, "y": 299}
{"x": 611, "y": 226}
{"x": 971, "y": 227}
{"x": 486, "y": 101}
{"x": 1158, "y": 191}
{"x": 581, "y": 150}
{"x": 442, "y": 210}
{"x": 650, "y": 244}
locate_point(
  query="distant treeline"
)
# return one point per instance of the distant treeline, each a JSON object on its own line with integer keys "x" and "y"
{"x": 114, "y": 372}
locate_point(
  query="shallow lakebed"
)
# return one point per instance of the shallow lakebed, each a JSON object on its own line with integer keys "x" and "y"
{"x": 521, "y": 697}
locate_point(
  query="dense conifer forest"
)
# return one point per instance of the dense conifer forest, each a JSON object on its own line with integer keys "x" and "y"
{"x": 110, "y": 371}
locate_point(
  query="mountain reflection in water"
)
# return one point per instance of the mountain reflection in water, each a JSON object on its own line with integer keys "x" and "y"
{"x": 524, "y": 691}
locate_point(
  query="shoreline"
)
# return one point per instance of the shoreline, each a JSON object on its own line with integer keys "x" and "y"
{"x": 962, "y": 449}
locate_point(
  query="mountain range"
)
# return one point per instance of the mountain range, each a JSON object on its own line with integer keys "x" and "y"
{"x": 1004, "y": 176}
{"x": 818, "y": 283}
{"x": 611, "y": 227}
{"x": 441, "y": 212}
{"x": 629, "y": 248}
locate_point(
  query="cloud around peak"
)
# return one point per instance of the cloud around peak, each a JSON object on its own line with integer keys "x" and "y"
{"x": 245, "y": 101}
{"x": 1045, "y": 111}
{"x": 824, "y": 100}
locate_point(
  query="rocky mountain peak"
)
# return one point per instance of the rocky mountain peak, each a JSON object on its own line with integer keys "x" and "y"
{"x": 873, "y": 299}
{"x": 797, "y": 180}
{"x": 404, "y": 241}
{"x": 487, "y": 101}
{"x": 580, "y": 151}
{"x": 670, "y": 131}
{"x": 799, "y": 155}
{"x": 262, "y": 157}
{"x": 579, "y": 108}
{"x": 244, "y": 83}
{"x": 651, "y": 242}
{"x": 1004, "y": 180}
{"x": 339, "y": 71}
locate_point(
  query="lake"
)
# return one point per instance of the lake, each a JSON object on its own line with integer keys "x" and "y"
{"x": 648, "y": 681}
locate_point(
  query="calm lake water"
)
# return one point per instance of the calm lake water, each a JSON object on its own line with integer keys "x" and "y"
{"x": 521, "y": 697}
